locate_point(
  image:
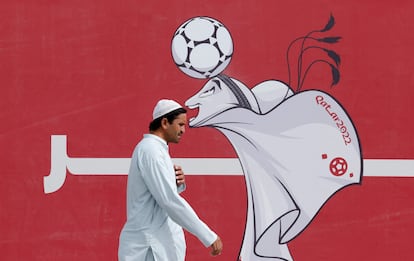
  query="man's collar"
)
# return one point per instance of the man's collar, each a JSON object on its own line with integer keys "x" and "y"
{"x": 153, "y": 136}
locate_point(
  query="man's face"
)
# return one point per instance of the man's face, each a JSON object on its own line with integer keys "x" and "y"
{"x": 176, "y": 129}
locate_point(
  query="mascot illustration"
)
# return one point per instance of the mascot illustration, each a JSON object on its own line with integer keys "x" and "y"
{"x": 296, "y": 148}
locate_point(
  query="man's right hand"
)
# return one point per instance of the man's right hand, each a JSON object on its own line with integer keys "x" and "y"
{"x": 216, "y": 247}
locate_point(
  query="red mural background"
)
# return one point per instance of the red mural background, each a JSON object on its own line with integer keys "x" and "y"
{"x": 93, "y": 70}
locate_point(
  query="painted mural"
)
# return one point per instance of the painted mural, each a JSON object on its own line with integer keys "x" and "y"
{"x": 300, "y": 141}
{"x": 272, "y": 128}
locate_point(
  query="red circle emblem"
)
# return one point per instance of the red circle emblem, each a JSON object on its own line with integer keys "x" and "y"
{"x": 338, "y": 166}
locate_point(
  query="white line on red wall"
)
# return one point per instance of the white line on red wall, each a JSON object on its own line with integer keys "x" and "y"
{"x": 61, "y": 163}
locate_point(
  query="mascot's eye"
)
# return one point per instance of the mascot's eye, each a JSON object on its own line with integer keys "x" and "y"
{"x": 208, "y": 92}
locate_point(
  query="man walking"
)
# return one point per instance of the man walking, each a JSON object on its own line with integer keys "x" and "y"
{"x": 156, "y": 213}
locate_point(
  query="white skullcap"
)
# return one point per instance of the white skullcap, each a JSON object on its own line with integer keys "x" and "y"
{"x": 163, "y": 107}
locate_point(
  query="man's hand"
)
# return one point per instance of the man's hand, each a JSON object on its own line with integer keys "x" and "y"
{"x": 216, "y": 247}
{"x": 179, "y": 175}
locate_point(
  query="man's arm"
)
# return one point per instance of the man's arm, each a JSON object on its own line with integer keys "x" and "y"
{"x": 217, "y": 246}
{"x": 162, "y": 184}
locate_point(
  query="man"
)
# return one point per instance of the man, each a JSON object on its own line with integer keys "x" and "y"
{"x": 156, "y": 213}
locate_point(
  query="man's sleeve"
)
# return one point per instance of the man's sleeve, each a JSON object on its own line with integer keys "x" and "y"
{"x": 161, "y": 183}
{"x": 181, "y": 188}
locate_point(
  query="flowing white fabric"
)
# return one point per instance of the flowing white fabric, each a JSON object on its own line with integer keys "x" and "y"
{"x": 295, "y": 155}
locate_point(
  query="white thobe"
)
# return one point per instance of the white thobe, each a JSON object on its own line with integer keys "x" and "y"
{"x": 156, "y": 213}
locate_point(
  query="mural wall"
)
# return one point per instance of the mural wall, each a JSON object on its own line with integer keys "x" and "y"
{"x": 299, "y": 147}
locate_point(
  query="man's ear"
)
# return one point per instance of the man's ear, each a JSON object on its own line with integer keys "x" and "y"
{"x": 164, "y": 123}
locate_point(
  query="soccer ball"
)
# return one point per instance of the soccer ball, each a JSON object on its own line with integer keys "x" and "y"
{"x": 338, "y": 166}
{"x": 202, "y": 47}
